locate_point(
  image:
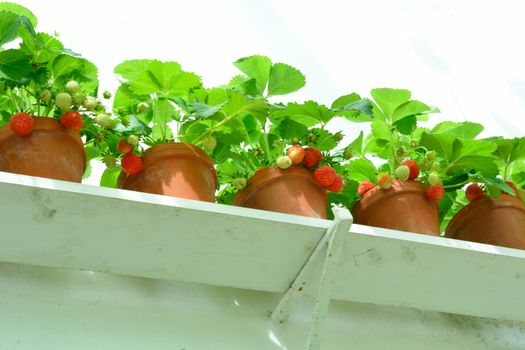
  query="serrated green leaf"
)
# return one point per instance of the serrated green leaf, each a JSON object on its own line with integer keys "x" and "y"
{"x": 288, "y": 129}
{"x": 325, "y": 141}
{"x": 284, "y": 79}
{"x": 125, "y": 98}
{"x": 202, "y": 110}
{"x": 406, "y": 125}
{"x": 309, "y": 113}
{"x": 465, "y": 164}
{"x": 192, "y": 130}
{"x": 388, "y": 100}
{"x": 19, "y": 10}
{"x": 380, "y": 130}
{"x": 356, "y": 146}
{"x": 9, "y": 24}
{"x": 131, "y": 69}
{"x": 239, "y": 104}
{"x": 65, "y": 68}
{"x": 410, "y": 108}
{"x": 463, "y": 148}
{"x": 345, "y": 100}
{"x": 361, "y": 169}
{"x": 463, "y": 130}
{"x": 14, "y": 65}
{"x": 442, "y": 144}
{"x": 257, "y": 67}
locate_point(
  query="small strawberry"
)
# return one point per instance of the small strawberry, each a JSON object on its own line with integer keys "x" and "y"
{"x": 435, "y": 192}
{"x": 364, "y": 187}
{"x": 511, "y": 184}
{"x": 337, "y": 185}
{"x": 434, "y": 178}
{"x": 474, "y": 192}
{"x": 21, "y": 123}
{"x": 239, "y": 183}
{"x": 384, "y": 181}
{"x": 110, "y": 161}
{"x": 106, "y": 95}
{"x": 45, "y": 95}
{"x": 414, "y": 169}
{"x": 133, "y": 140}
{"x": 72, "y": 86}
{"x": 131, "y": 163}
{"x": 296, "y": 154}
{"x": 430, "y": 155}
{"x": 90, "y": 103}
{"x": 124, "y": 147}
{"x": 209, "y": 143}
{"x": 284, "y": 162}
{"x": 402, "y": 172}
{"x": 325, "y": 176}
{"x": 72, "y": 120}
{"x": 312, "y": 157}
{"x": 347, "y": 154}
{"x": 63, "y": 101}
{"x": 142, "y": 107}
{"x": 104, "y": 120}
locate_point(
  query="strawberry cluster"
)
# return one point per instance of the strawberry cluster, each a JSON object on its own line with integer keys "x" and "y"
{"x": 131, "y": 162}
{"x": 23, "y": 123}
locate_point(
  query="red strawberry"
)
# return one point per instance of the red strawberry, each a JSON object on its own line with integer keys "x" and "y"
{"x": 414, "y": 169}
{"x": 364, "y": 187}
{"x": 131, "y": 163}
{"x": 72, "y": 120}
{"x": 21, "y": 123}
{"x": 312, "y": 157}
{"x": 474, "y": 192}
{"x": 124, "y": 147}
{"x": 384, "y": 181}
{"x": 435, "y": 192}
{"x": 325, "y": 176}
{"x": 511, "y": 184}
{"x": 337, "y": 185}
{"x": 296, "y": 154}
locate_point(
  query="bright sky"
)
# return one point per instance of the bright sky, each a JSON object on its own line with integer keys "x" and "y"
{"x": 465, "y": 57}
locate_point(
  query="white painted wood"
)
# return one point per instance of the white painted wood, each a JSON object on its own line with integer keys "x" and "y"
{"x": 65, "y": 225}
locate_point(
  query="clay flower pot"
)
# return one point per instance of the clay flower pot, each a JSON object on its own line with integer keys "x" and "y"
{"x": 292, "y": 191}
{"x": 403, "y": 207}
{"x": 174, "y": 169}
{"x": 50, "y": 151}
{"x": 493, "y": 221}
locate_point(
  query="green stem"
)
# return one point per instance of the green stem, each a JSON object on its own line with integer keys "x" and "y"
{"x": 216, "y": 126}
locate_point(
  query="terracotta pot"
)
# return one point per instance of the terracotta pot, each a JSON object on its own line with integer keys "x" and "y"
{"x": 174, "y": 169}
{"x": 403, "y": 207}
{"x": 493, "y": 221}
{"x": 50, "y": 151}
{"x": 292, "y": 191}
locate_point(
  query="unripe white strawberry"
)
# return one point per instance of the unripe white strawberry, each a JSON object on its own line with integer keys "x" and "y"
{"x": 133, "y": 140}
{"x": 402, "y": 172}
{"x": 284, "y": 162}
{"x": 72, "y": 86}
{"x": 431, "y": 155}
{"x": 142, "y": 107}
{"x": 209, "y": 143}
{"x": 78, "y": 99}
{"x": 110, "y": 161}
{"x": 239, "y": 183}
{"x": 90, "y": 103}
{"x": 384, "y": 181}
{"x": 106, "y": 95}
{"x": 434, "y": 178}
{"x": 63, "y": 101}
{"x": 45, "y": 95}
{"x": 104, "y": 120}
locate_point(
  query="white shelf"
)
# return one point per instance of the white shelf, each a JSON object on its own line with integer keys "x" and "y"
{"x": 71, "y": 226}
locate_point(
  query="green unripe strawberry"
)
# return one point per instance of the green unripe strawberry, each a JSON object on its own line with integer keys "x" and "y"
{"x": 78, "y": 99}
{"x": 72, "y": 87}
{"x": 133, "y": 140}
{"x": 338, "y": 136}
{"x": 239, "y": 183}
{"x": 142, "y": 107}
{"x": 347, "y": 154}
{"x": 45, "y": 95}
{"x": 106, "y": 95}
{"x": 209, "y": 143}
{"x": 104, "y": 120}
{"x": 284, "y": 162}
{"x": 435, "y": 167}
{"x": 110, "y": 161}
{"x": 312, "y": 137}
{"x": 431, "y": 155}
{"x": 402, "y": 172}
{"x": 63, "y": 101}
{"x": 434, "y": 178}
{"x": 90, "y": 103}
{"x": 295, "y": 141}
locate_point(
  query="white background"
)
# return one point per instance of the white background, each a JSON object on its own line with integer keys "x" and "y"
{"x": 465, "y": 57}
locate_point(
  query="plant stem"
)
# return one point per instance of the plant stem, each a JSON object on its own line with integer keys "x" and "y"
{"x": 218, "y": 125}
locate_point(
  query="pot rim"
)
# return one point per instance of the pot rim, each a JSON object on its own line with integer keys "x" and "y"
{"x": 265, "y": 176}
{"x": 398, "y": 187}
{"x": 465, "y": 214}
{"x": 179, "y": 149}
{"x": 46, "y": 123}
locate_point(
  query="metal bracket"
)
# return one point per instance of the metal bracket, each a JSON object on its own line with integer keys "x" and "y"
{"x": 333, "y": 240}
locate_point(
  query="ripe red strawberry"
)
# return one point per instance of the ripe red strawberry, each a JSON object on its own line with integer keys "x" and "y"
{"x": 435, "y": 192}
{"x": 21, "y": 123}
{"x": 511, "y": 184}
{"x": 337, "y": 185}
{"x": 364, "y": 187}
{"x": 72, "y": 120}
{"x": 384, "y": 181}
{"x": 296, "y": 154}
{"x": 414, "y": 169}
{"x": 325, "y": 175}
{"x": 131, "y": 163}
{"x": 474, "y": 192}
{"x": 124, "y": 147}
{"x": 312, "y": 157}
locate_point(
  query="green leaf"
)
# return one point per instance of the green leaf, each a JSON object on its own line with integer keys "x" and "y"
{"x": 380, "y": 130}
{"x": 325, "y": 141}
{"x": 19, "y": 10}
{"x": 66, "y": 67}
{"x": 9, "y": 24}
{"x": 356, "y": 146}
{"x": 361, "y": 169}
{"x": 309, "y": 113}
{"x": 256, "y": 67}
{"x": 465, "y": 148}
{"x": 110, "y": 177}
{"x": 465, "y": 164}
{"x": 14, "y": 65}
{"x": 193, "y": 130}
{"x": 125, "y": 98}
{"x": 131, "y": 69}
{"x": 498, "y": 185}
{"x": 239, "y": 103}
{"x": 389, "y": 100}
{"x": 284, "y": 79}
{"x": 463, "y": 130}
{"x": 442, "y": 144}
{"x": 410, "y": 108}
{"x": 345, "y": 100}
{"x": 407, "y": 125}
{"x": 202, "y": 110}
{"x": 288, "y": 129}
